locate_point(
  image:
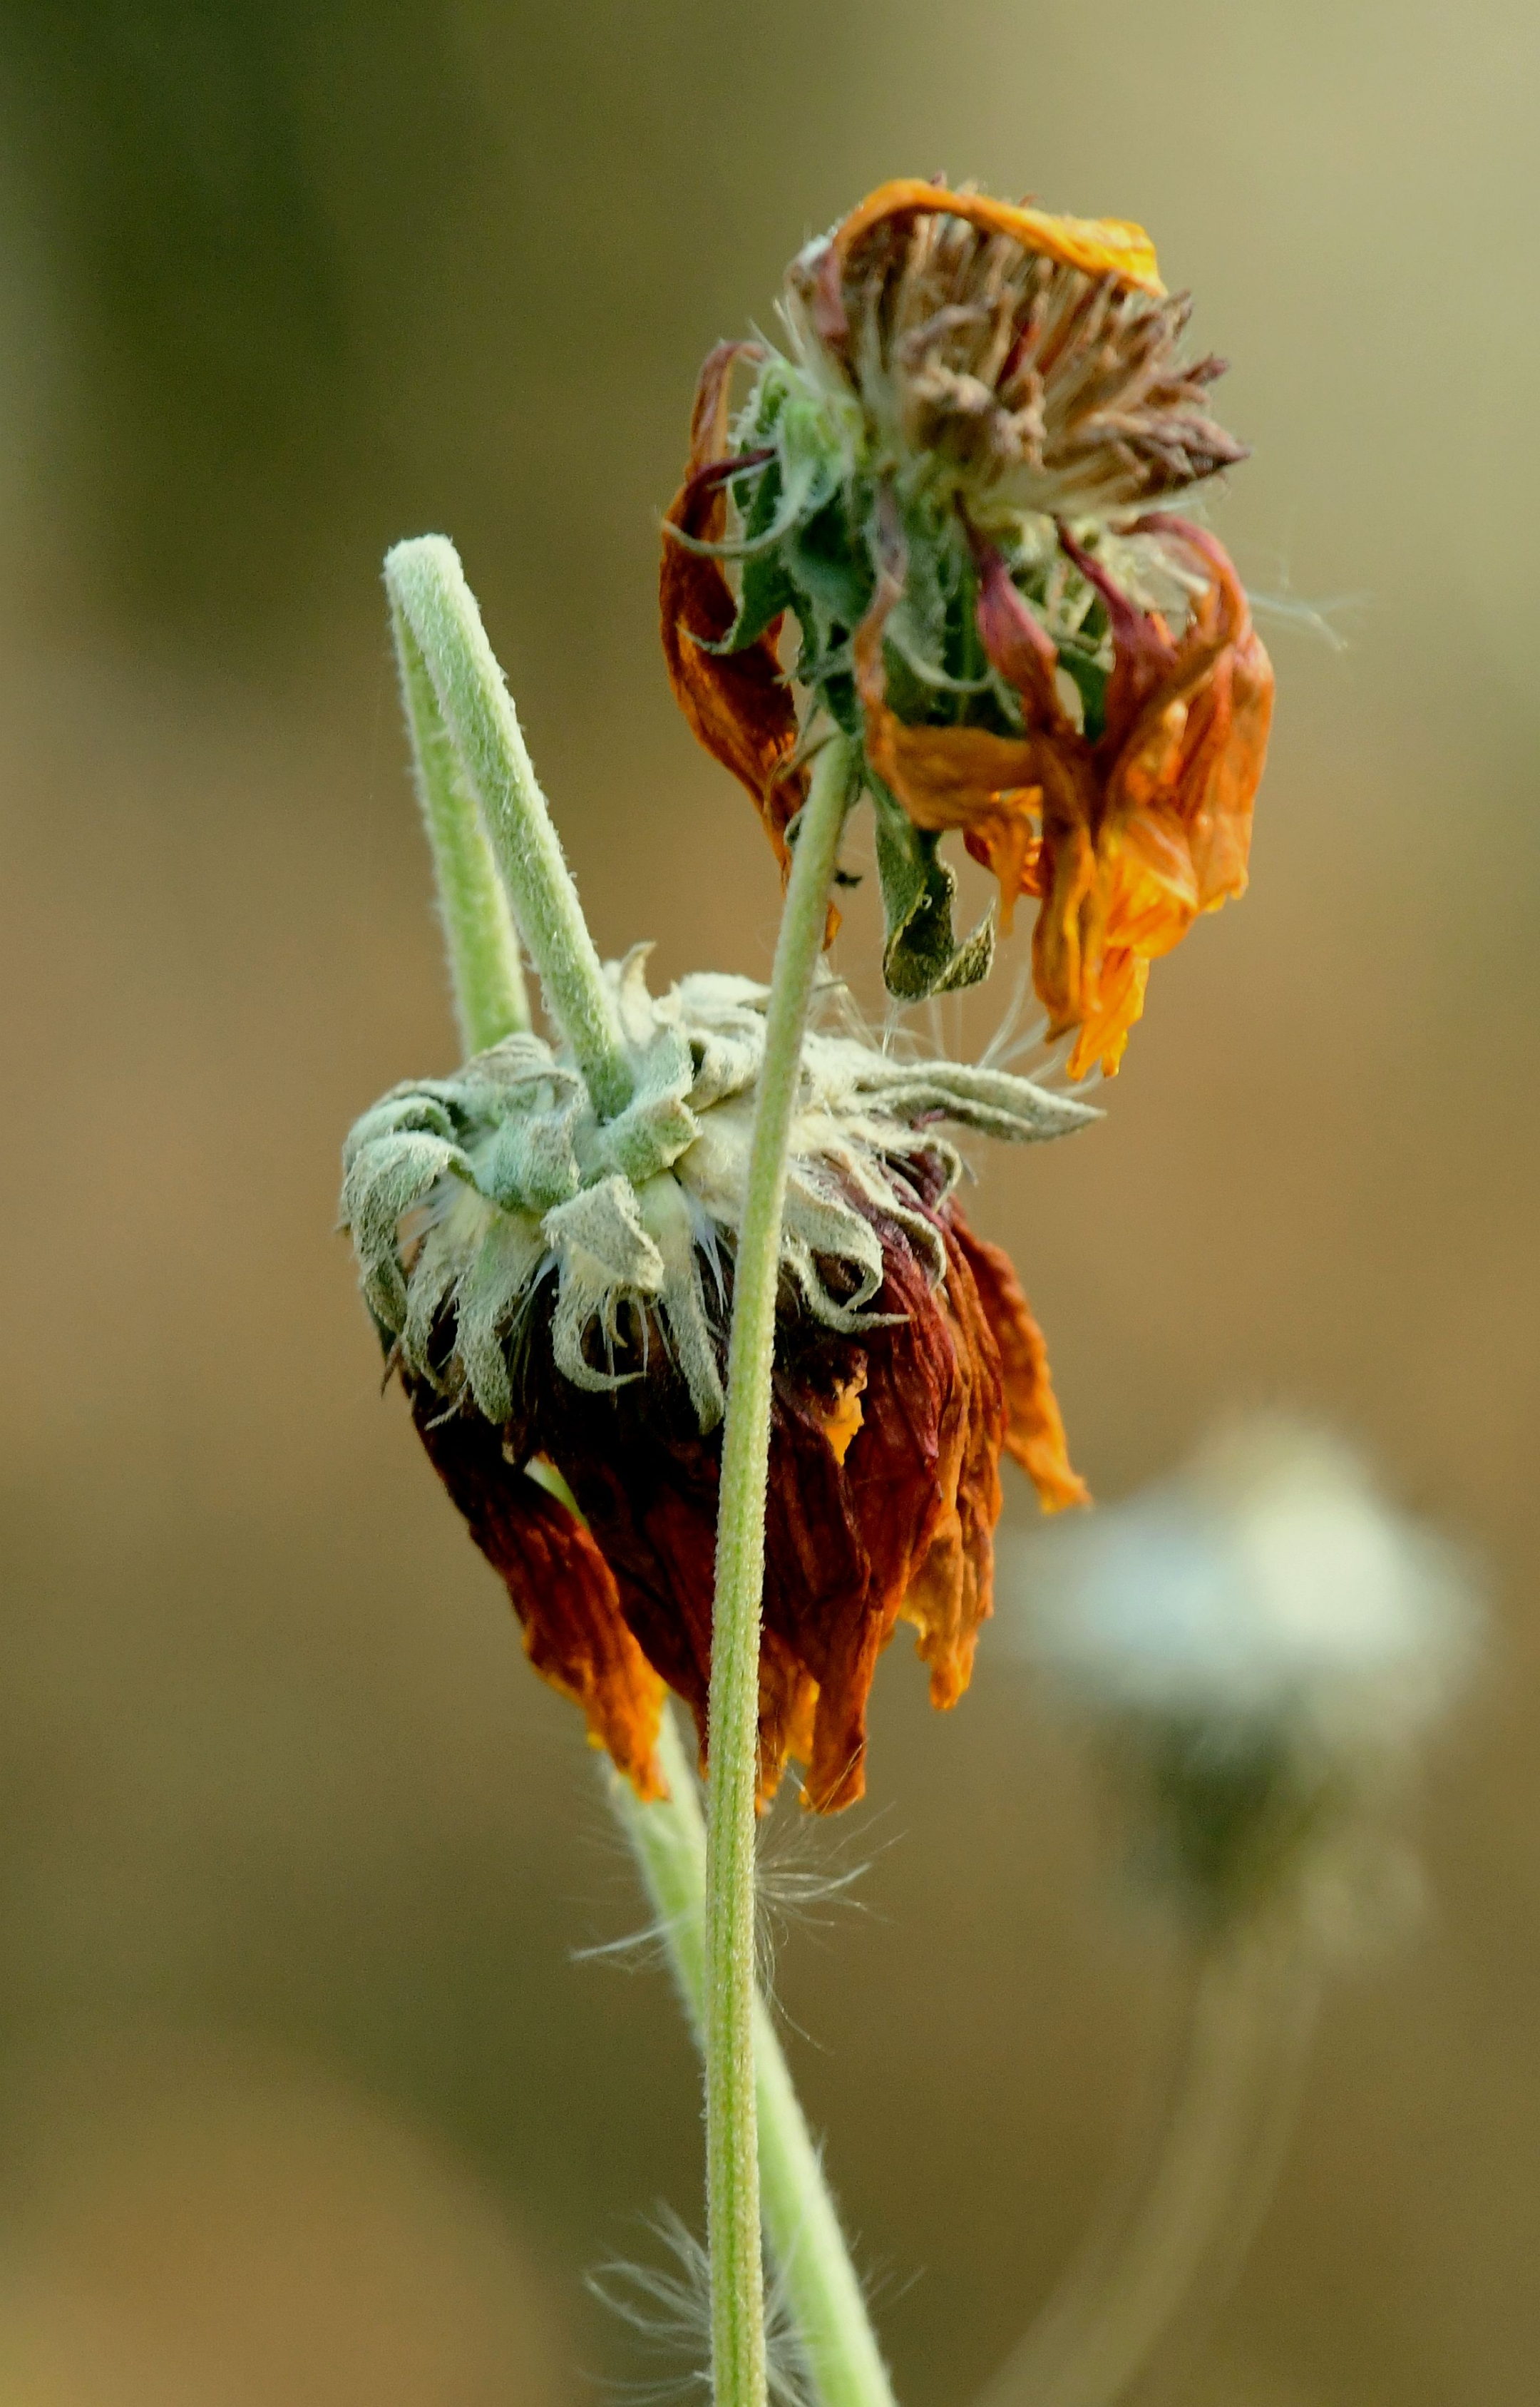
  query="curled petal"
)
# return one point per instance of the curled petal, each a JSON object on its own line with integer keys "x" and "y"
{"x": 1016, "y": 643}
{"x": 559, "y": 1584}
{"x": 1034, "y": 1431}
{"x": 951, "y": 1593}
{"x": 738, "y": 702}
{"x": 1096, "y": 246}
{"x": 1151, "y": 825}
{"x": 891, "y": 1498}
{"x": 1112, "y": 1011}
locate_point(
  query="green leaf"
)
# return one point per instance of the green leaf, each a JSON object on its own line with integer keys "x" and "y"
{"x": 826, "y": 557}
{"x": 922, "y": 956}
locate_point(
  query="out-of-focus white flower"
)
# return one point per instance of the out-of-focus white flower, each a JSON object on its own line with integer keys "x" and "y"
{"x": 1262, "y": 1643}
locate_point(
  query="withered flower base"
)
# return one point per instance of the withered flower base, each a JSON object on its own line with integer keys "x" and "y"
{"x": 556, "y": 1292}
{"x": 946, "y": 482}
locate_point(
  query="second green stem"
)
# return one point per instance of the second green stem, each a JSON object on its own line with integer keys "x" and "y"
{"x": 729, "y": 2004}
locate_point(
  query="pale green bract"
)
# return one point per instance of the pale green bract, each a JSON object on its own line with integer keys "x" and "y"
{"x": 464, "y": 1194}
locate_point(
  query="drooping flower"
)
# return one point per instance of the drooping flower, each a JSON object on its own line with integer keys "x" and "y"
{"x": 1264, "y": 1644}
{"x": 555, "y": 1290}
{"x": 948, "y": 481}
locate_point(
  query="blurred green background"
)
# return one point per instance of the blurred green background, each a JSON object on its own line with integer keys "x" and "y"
{"x": 303, "y": 2094}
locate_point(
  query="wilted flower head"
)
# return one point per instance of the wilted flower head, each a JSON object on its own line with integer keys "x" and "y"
{"x": 555, "y": 1292}
{"x": 947, "y": 480}
{"x": 1263, "y": 1643}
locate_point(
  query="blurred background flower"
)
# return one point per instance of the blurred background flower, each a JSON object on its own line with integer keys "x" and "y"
{"x": 282, "y": 285}
{"x": 1259, "y": 1646}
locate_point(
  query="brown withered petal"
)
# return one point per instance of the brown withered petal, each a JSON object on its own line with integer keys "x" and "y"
{"x": 560, "y": 1586}
{"x": 738, "y": 702}
{"x": 949, "y": 1593}
{"x": 883, "y": 1497}
{"x": 1034, "y": 1436}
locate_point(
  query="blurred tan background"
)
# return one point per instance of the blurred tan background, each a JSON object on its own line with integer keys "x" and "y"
{"x": 303, "y": 2094}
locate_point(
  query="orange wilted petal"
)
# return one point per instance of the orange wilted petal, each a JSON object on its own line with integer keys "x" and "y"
{"x": 1096, "y": 246}
{"x": 1111, "y": 1010}
{"x": 1034, "y": 1433}
{"x": 951, "y": 1592}
{"x": 738, "y": 702}
{"x": 558, "y": 1583}
{"x": 1150, "y": 825}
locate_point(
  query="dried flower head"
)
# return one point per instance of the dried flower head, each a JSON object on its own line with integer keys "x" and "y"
{"x": 1264, "y": 1644}
{"x": 555, "y": 1290}
{"x": 947, "y": 480}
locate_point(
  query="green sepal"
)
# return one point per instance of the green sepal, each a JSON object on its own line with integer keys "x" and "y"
{"x": 1090, "y": 681}
{"x": 921, "y": 955}
{"x": 765, "y": 592}
{"x": 825, "y": 557}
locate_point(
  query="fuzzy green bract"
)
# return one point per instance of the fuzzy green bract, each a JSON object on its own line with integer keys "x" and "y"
{"x": 465, "y": 1195}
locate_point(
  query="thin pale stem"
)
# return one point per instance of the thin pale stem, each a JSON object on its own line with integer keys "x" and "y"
{"x": 427, "y": 585}
{"x": 818, "y": 2282}
{"x": 1175, "y": 2233}
{"x": 487, "y": 977}
{"x": 732, "y": 2177}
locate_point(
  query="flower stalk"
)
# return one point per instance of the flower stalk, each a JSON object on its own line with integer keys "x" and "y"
{"x": 733, "y": 2175}
{"x": 427, "y": 587}
{"x": 822, "y": 2293}
{"x": 1175, "y": 2233}
{"x": 485, "y": 969}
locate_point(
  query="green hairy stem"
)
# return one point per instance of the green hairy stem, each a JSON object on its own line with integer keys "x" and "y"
{"x": 491, "y": 1001}
{"x": 729, "y": 1992}
{"x": 427, "y": 585}
{"x": 818, "y": 2282}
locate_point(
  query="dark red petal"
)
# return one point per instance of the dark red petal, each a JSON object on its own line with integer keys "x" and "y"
{"x": 1034, "y": 1433}
{"x": 560, "y": 1586}
{"x": 738, "y": 702}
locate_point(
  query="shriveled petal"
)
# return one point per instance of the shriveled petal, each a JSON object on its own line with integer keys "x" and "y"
{"x": 1034, "y": 1433}
{"x": 1110, "y": 1013}
{"x": 1097, "y": 246}
{"x": 559, "y": 1584}
{"x": 951, "y": 1591}
{"x": 888, "y": 1495}
{"x": 738, "y": 702}
{"x": 1150, "y": 826}
{"x": 1229, "y": 710}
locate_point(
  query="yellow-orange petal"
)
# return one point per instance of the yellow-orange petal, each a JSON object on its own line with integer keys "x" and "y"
{"x": 1118, "y": 1003}
{"x": 840, "y": 1418}
{"x": 1097, "y": 246}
